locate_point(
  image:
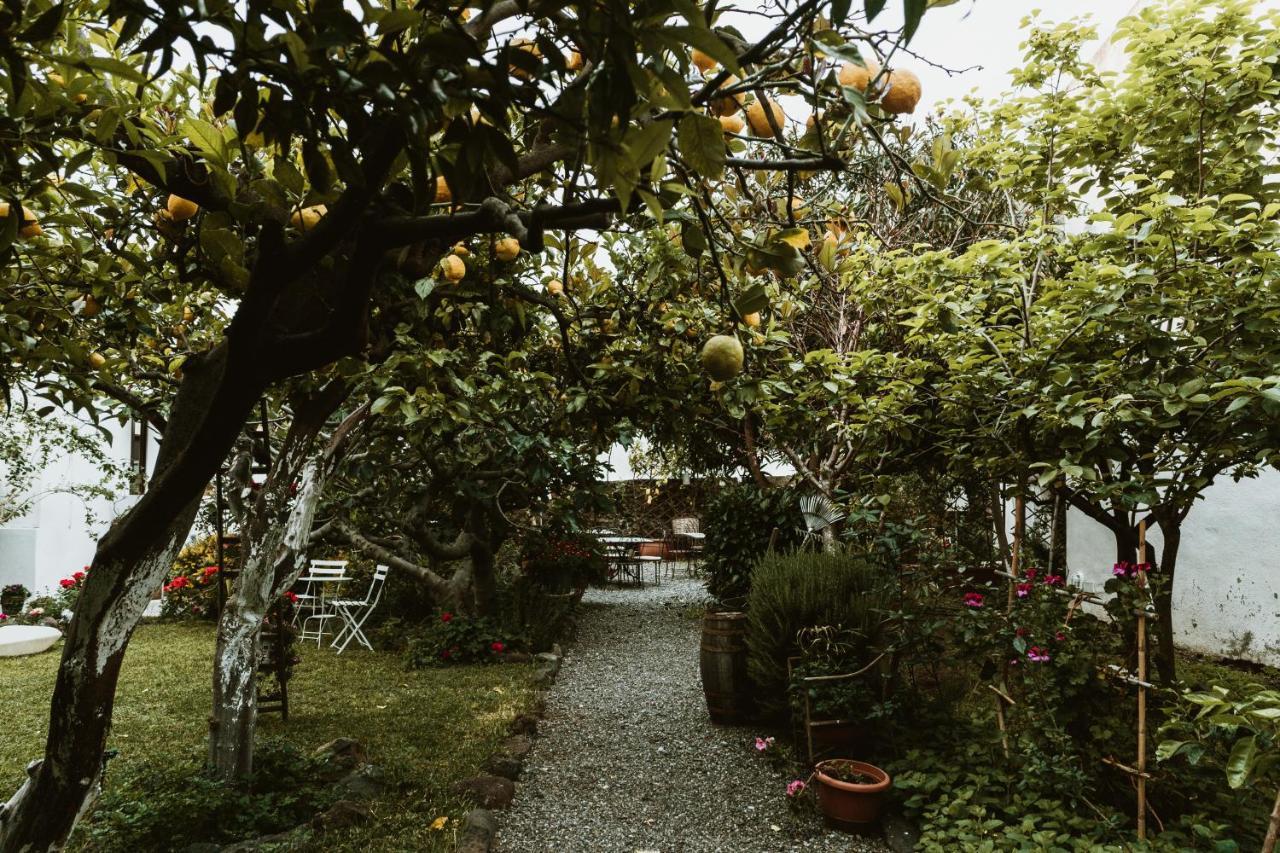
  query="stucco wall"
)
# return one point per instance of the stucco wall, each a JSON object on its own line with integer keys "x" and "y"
{"x": 53, "y": 540}
{"x": 1226, "y": 595}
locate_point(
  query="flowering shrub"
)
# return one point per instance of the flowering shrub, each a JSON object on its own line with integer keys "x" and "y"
{"x": 191, "y": 592}
{"x": 69, "y": 590}
{"x": 563, "y": 561}
{"x": 454, "y": 638}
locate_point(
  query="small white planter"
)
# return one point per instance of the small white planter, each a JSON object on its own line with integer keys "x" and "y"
{"x": 18, "y": 640}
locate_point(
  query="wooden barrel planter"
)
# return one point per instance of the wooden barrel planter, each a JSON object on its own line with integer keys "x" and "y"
{"x": 723, "y": 661}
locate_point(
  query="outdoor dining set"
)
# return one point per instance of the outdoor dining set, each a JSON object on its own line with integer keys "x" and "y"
{"x": 629, "y": 555}
{"x": 320, "y": 607}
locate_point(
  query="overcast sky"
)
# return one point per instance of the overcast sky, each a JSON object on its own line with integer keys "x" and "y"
{"x": 988, "y": 33}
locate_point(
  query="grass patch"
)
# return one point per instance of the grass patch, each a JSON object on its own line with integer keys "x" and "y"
{"x": 425, "y": 728}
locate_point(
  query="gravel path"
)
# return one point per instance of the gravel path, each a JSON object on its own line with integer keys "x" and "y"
{"x": 628, "y": 760}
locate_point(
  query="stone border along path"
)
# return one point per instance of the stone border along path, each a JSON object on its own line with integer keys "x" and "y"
{"x": 627, "y": 759}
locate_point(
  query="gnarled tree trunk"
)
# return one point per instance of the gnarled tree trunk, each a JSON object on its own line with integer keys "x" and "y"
{"x": 131, "y": 562}
{"x": 276, "y": 555}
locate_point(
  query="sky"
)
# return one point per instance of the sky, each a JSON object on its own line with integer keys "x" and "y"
{"x": 987, "y": 34}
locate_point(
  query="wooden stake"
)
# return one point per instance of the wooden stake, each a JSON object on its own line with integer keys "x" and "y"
{"x": 1273, "y": 828}
{"x": 1015, "y": 559}
{"x": 1004, "y": 734}
{"x": 1142, "y": 691}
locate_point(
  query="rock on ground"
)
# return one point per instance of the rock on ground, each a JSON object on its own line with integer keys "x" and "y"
{"x": 627, "y": 759}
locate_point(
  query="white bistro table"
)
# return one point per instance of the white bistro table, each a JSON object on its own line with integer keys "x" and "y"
{"x": 319, "y": 589}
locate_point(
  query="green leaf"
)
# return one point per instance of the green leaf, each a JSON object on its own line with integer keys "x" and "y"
{"x": 1244, "y": 755}
{"x": 709, "y": 43}
{"x": 912, "y": 12}
{"x": 44, "y": 27}
{"x": 751, "y": 300}
{"x": 701, "y": 141}
{"x": 873, "y": 8}
{"x": 107, "y": 64}
{"x": 692, "y": 239}
{"x": 207, "y": 138}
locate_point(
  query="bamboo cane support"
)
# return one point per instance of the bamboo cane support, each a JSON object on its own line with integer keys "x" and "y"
{"x": 1004, "y": 734}
{"x": 1015, "y": 559}
{"x": 1273, "y": 828}
{"x": 1142, "y": 691}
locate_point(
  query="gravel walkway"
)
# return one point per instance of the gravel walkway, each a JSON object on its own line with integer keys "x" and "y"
{"x": 628, "y": 760}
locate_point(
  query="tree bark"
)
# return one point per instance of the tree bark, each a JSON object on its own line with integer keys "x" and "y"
{"x": 1166, "y": 655}
{"x": 275, "y": 555}
{"x": 130, "y": 563}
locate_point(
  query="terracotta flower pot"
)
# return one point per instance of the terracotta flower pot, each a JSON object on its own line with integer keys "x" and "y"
{"x": 851, "y": 806}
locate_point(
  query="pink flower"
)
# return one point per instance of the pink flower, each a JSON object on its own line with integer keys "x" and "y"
{"x": 1024, "y": 589}
{"x": 972, "y": 599}
{"x": 36, "y": 612}
{"x": 1060, "y": 637}
{"x": 1122, "y": 569}
{"x": 497, "y": 647}
{"x": 1053, "y": 580}
{"x": 1035, "y": 654}
{"x": 3, "y": 617}
{"x": 763, "y": 743}
{"x": 795, "y": 788}
{"x": 446, "y": 617}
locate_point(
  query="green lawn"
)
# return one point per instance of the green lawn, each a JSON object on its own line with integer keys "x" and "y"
{"x": 426, "y": 728}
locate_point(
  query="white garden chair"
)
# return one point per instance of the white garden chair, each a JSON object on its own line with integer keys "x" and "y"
{"x": 354, "y": 612}
{"x": 313, "y": 604}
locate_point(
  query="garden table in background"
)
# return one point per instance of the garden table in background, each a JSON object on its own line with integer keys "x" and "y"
{"x": 623, "y": 563}
{"x": 321, "y": 584}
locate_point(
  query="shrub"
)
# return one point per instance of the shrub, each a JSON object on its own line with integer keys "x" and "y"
{"x": 561, "y": 561}
{"x": 524, "y": 609}
{"x": 183, "y": 806}
{"x": 191, "y": 591}
{"x": 453, "y": 639}
{"x": 791, "y": 593}
{"x": 739, "y": 523}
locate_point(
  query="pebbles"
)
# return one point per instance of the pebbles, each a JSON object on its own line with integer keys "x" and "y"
{"x": 627, "y": 759}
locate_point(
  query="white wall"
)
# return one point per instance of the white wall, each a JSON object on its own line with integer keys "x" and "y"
{"x": 53, "y": 540}
{"x": 1226, "y": 596}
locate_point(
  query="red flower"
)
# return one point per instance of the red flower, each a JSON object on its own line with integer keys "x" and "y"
{"x": 972, "y": 599}
{"x": 177, "y": 583}
{"x": 66, "y": 583}
{"x": 1021, "y": 632}
{"x": 1024, "y": 589}
{"x": 1053, "y": 580}
{"x": 1060, "y": 637}
{"x": 78, "y": 576}
{"x": 444, "y": 655}
{"x": 446, "y": 617}
{"x": 291, "y": 596}
{"x": 1031, "y": 573}
{"x": 497, "y": 647}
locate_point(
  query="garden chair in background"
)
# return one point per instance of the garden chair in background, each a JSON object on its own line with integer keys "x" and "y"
{"x": 354, "y": 611}
{"x": 312, "y": 606}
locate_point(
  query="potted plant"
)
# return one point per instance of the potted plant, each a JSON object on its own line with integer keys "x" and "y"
{"x": 12, "y": 597}
{"x": 851, "y": 793}
{"x": 564, "y": 562}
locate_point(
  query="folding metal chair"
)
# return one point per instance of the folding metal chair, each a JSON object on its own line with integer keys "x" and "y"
{"x": 354, "y": 612}
{"x": 313, "y": 602}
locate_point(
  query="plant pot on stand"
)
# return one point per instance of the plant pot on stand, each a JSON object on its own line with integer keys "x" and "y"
{"x": 851, "y": 793}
